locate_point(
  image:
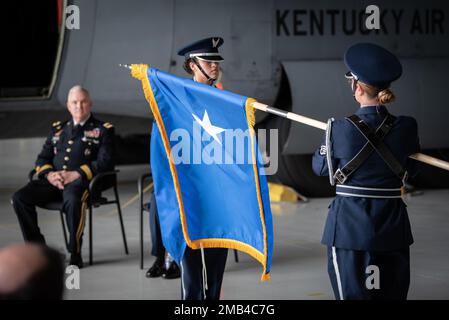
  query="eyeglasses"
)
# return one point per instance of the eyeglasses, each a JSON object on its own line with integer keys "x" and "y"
{"x": 349, "y": 75}
{"x": 209, "y": 63}
{"x": 352, "y": 80}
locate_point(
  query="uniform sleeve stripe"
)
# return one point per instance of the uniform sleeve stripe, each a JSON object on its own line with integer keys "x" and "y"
{"x": 44, "y": 167}
{"x": 87, "y": 171}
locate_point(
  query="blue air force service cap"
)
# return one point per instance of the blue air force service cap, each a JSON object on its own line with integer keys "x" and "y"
{"x": 372, "y": 65}
{"x": 206, "y": 49}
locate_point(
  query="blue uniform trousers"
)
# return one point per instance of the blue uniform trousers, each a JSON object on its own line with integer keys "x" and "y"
{"x": 192, "y": 273}
{"x": 352, "y": 278}
{"x": 41, "y": 192}
{"x": 157, "y": 249}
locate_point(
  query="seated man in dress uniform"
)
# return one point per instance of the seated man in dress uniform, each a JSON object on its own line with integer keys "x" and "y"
{"x": 74, "y": 152}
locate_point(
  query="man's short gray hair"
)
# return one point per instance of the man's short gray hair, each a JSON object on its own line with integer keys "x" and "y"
{"x": 79, "y": 88}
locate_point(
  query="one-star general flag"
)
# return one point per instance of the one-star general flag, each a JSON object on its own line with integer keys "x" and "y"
{"x": 209, "y": 189}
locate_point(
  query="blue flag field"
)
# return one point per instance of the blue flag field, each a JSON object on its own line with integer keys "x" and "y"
{"x": 210, "y": 187}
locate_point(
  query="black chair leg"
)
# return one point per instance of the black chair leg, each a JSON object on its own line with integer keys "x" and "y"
{"x": 90, "y": 234}
{"x": 236, "y": 256}
{"x": 121, "y": 219}
{"x": 64, "y": 230}
{"x": 141, "y": 236}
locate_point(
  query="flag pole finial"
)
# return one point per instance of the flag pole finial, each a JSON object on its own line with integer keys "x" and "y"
{"x": 125, "y": 66}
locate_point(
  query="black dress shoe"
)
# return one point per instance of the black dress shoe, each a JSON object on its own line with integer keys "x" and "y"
{"x": 76, "y": 260}
{"x": 172, "y": 272}
{"x": 156, "y": 269}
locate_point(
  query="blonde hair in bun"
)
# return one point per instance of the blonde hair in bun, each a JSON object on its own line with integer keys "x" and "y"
{"x": 385, "y": 96}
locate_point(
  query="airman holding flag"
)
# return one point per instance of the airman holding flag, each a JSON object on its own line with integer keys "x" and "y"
{"x": 205, "y": 207}
{"x": 202, "y": 272}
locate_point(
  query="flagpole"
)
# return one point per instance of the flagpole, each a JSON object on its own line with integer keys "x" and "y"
{"x": 322, "y": 125}
{"x": 290, "y": 115}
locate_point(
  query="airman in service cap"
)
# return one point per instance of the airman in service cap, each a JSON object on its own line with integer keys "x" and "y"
{"x": 372, "y": 65}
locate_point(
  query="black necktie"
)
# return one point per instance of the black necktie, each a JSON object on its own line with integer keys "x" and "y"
{"x": 76, "y": 129}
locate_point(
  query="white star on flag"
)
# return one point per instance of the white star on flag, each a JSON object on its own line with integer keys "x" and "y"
{"x": 208, "y": 127}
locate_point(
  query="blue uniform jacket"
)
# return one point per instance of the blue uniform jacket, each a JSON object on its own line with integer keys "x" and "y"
{"x": 369, "y": 224}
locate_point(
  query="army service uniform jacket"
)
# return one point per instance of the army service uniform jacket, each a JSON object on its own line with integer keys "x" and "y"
{"x": 87, "y": 149}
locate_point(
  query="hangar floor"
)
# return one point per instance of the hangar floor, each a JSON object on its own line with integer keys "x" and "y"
{"x": 299, "y": 267}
